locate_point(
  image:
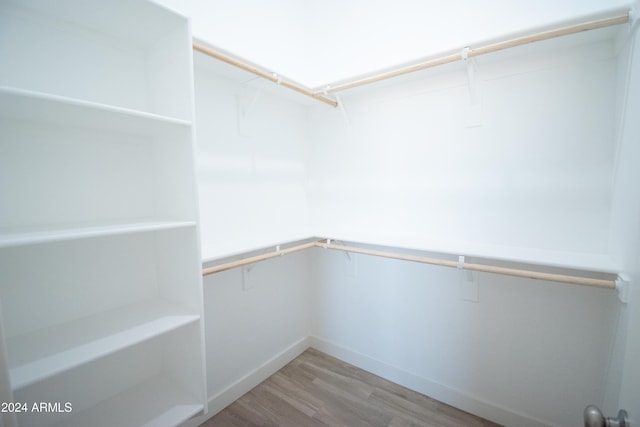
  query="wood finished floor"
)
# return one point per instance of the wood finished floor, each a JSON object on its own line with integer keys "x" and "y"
{"x": 318, "y": 390}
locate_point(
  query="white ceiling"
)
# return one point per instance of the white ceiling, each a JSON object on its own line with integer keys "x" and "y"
{"x": 319, "y": 42}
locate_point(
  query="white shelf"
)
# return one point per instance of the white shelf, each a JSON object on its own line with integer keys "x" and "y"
{"x": 242, "y": 250}
{"x": 594, "y": 262}
{"x": 157, "y": 402}
{"x": 41, "y": 354}
{"x": 25, "y": 105}
{"x": 83, "y": 231}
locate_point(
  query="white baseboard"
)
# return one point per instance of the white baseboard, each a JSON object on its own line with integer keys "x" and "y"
{"x": 457, "y": 398}
{"x": 227, "y": 396}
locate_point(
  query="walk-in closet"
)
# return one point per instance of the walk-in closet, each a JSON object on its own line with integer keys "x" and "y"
{"x": 196, "y": 195}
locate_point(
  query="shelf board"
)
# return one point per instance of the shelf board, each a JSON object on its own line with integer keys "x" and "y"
{"x": 157, "y": 402}
{"x": 26, "y": 105}
{"x": 249, "y": 249}
{"x": 33, "y": 236}
{"x": 41, "y": 354}
{"x": 588, "y": 262}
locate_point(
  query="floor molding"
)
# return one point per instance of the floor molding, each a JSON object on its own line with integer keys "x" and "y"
{"x": 457, "y": 398}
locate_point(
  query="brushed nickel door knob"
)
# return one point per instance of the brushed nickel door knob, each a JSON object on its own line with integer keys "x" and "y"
{"x": 593, "y": 417}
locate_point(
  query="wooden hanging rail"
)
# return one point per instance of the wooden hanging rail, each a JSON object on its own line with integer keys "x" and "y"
{"x": 493, "y": 47}
{"x": 560, "y": 278}
{"x": 200, "y": 47}
{"x": 257, "y": 258}
{"x": 321, "y": 94}
{"x": 326, "y": 243}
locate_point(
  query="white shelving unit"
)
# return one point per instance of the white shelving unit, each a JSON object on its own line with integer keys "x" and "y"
{"x": 156, "y": 402}
{"x": 100, "y": 276}
{"x": 49, "y": 351}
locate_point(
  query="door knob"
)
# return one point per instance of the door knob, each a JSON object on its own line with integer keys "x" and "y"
{"x": 593, "y": 417}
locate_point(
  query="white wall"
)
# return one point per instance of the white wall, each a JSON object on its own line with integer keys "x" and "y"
{"x": 251, "y": 171}
{"x": 527, "y": 351}
{"x": 252, "y": 179}
{"x": 254, "y": 319}
{"x": 535, "y": 176}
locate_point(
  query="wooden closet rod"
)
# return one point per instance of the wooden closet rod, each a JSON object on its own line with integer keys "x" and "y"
{"x": 200, "y": 47}
{"x": 325, "y": 243}
{"x": 493, "y": 47}
{"x": 561, "y": 278}
{"x": 257, "y": 258}
{"x": 321, "y": 96}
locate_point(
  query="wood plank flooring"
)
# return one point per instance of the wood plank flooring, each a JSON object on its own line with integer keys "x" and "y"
{"x": 318, "y": 390}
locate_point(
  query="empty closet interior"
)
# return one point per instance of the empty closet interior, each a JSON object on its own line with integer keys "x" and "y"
{"x": 176, "y": 224}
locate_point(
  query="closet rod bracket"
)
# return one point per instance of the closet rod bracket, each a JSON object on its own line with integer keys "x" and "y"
{"x": 623, "y": 285}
